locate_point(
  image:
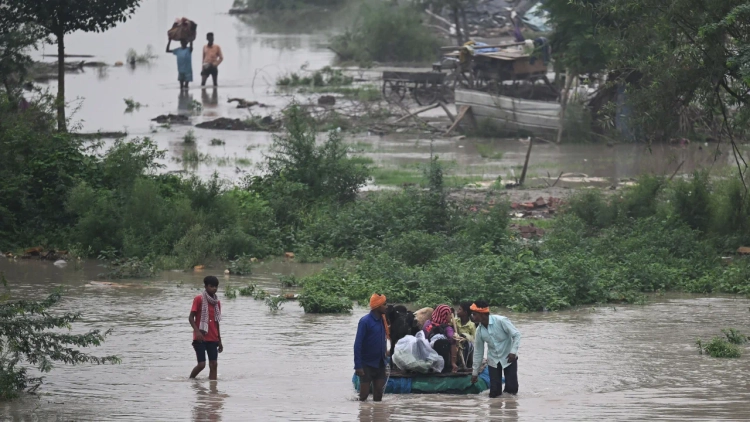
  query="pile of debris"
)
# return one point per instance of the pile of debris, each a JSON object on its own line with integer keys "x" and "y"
{"x": 540, "y": 208}
{"x": 267, "y": 123}
{"x": 528, "y": 232}
{"x": 492, "y": 18}
{"x": 171, "y": 119}
{"x": 41, "y": 254}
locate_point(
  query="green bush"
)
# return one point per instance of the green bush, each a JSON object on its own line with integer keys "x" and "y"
{"x": 241, "y": 266}
{"x": 692, "y": 200}
{"x": 719, "y": 348}
{"x": 317, "y": 172}
{"x": 415, "y": 247}
{"x": 734, "y": 336}
{"x": 387, "y": 33}
{"x": 248, "y": 290}
{"x": 315, "y": 302}
{"x": 127, "y": 268}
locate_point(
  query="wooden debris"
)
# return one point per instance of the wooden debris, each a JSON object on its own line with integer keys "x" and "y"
{"x": 461, "y": 114}
{"x": 526, "y": 163}
{"x": 414, "y": 113}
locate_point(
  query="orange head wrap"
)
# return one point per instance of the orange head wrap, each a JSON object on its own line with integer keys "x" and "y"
{"x": 475, "y": 308}
{"x": 377, "y": 301}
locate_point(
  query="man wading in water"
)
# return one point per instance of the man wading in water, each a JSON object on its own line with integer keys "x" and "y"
{"x": 204, "y": 318}
{"x": 212, "y": 58}
{"x": 370, "y": 349}
{"x": 502, "y": 340}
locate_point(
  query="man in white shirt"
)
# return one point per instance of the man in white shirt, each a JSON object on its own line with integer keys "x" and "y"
{"x": 502, "y": 340}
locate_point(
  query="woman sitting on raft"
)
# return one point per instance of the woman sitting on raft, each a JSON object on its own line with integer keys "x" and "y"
{"x": 439, "y": 332}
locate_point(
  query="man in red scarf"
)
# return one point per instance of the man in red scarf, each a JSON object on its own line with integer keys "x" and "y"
{"x": 370, "y": 348}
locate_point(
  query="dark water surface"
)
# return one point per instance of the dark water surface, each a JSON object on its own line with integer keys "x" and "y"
{"x": 606, "y": 363}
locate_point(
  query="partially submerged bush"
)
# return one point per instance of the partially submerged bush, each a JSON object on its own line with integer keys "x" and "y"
{"x": 719, "y": 348}
{"x": 314, "y": 302}
{"x": 325, "y": 77}
{"x": 241, "y": 266}
{"x": 127, "y": 268}
{"x": 387, "y": 33}
{"x": 735, "y": 337}
{"x": 248, "y": 290}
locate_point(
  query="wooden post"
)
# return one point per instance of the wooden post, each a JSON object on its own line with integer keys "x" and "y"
{"x": 457, "y": 20}
{"x": 526, "y": 163}
{"x": 564, "y": 104}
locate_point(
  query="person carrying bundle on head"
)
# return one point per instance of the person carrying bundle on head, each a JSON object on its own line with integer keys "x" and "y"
{"x": 183, "y": 30}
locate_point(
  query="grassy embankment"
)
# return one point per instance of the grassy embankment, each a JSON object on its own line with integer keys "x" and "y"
{"x": 416, "y": 245}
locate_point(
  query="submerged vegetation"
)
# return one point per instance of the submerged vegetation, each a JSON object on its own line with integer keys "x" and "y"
{"x": 385, "y": 32}
{"x": 325, "y": 77}
{"x": 723, "y": 347}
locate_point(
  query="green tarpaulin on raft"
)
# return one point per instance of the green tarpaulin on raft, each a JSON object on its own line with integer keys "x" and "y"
{"x": 431, "y": 384}
{"x": 447, "y": 385}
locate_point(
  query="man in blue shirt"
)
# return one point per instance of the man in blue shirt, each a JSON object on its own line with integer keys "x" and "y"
{"x": 370, "y": 349}
{"x": 502, "y": 340}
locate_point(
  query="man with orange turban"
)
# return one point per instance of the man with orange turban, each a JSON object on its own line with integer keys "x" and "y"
{"x": 370, "y": 349}
{"x": 502, "y": 340}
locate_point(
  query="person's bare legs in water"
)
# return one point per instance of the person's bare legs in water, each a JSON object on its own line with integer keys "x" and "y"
{"x": 377, "y": 393}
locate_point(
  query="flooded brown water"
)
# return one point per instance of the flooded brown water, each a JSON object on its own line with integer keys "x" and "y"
{"x": 604, "y": 363}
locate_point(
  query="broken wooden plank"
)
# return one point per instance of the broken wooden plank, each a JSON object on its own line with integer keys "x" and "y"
{"x": 413, "y": 114}
{"x": 448, "y": 112}
{"x": 461, "y": 114}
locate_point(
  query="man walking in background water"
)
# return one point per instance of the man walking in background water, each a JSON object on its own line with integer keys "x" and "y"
{"x": 370, "y": 349}
{"x": 212, "y": 58}
{"x": 502, "y": 339}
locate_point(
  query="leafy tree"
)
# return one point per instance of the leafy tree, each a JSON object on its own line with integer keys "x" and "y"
{"x": 25, "y": 339}
{"x": 688, "y": 73}
{"x": 15, "y": 41}
{"x": 60, "y": 17}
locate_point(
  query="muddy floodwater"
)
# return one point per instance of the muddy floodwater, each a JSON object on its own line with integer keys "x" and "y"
{"x": 599, "y": 363}
{"x": 254, "y": 59}
{"x": 603, "y": 363}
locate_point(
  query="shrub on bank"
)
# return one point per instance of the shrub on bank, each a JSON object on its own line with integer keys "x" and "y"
{"x": 387, "y": 33}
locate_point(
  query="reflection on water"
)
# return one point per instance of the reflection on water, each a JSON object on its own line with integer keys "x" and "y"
{"x": 210, "y": 101}
{"x": 209, "y": 401}
{"x": 184, "y": 102}
{"x": 606, "y": 363}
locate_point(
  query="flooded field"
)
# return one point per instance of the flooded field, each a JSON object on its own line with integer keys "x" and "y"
{"x": 604, "y": 363}
{"x": 253, "y": 62}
